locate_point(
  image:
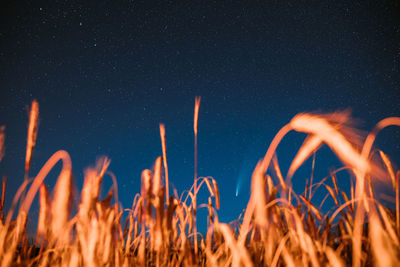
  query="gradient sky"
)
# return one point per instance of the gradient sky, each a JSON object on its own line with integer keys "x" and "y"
{"x": 106, "y": 73}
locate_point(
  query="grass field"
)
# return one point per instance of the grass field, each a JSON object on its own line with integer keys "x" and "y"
{"x": 278, "y": 227}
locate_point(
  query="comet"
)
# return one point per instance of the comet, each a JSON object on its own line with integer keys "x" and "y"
{"x": 245, "y": 170}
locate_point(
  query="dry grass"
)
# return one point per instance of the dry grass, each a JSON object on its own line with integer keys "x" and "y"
{"x": 278, "y": 227}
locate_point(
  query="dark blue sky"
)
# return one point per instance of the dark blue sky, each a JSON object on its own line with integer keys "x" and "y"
{"x": 106, "y": 73}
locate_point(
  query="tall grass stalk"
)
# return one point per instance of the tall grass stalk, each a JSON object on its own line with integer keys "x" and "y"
{"x": 195, "y": 122}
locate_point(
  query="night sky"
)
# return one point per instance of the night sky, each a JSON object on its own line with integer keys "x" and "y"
{"x": 106, "y": 73}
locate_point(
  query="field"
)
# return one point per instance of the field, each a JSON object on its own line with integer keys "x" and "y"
{"x": 278, "y": 227}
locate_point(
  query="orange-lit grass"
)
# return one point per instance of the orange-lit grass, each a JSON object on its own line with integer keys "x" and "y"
{"x": 195, "y": 122}
{"x": 32, "y": 133}
{"x": 278, "y": 228}
{"x": 164, "y": 151}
